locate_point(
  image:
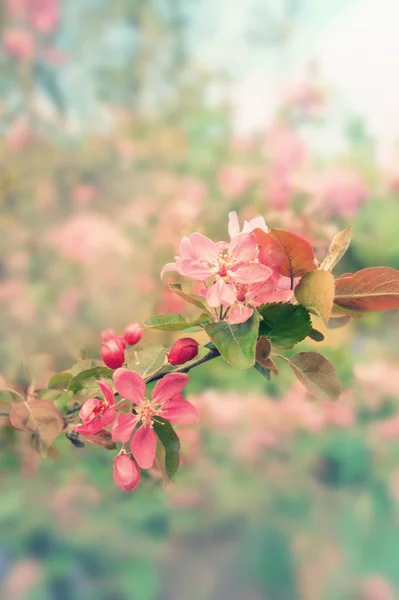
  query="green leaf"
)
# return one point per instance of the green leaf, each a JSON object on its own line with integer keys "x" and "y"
{"x": 284, "y": 324}
{"x": 63, "y": 402}
{"x": 194, "y": 299}
{"x": 145, "y": 361}
{"x": 236, "y": 343}
{"x": 316, "y": 335}
{"x": 60, "y": 380}
{"x": 175, "y": 322}
{"x": 171, "y": 443}
{"x": 83, "y": 379}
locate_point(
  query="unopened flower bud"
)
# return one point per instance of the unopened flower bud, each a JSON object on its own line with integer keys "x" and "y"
{"x": 113, "y": 353}
{"x": 126, "y": 473}
{"x": 121, "y": 340}
{"x": 108, "y": 334}
{"x": 133, "y": 333}
{"x": 182, "y": 351}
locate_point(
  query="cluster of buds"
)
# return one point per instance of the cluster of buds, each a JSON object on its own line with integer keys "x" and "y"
{"x": 113, "y": 346}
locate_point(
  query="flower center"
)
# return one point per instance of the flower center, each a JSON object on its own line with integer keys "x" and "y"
{"x": 242, "y": 290}
{"x": 147, "y": 411}
{"x": 224, "y": 262}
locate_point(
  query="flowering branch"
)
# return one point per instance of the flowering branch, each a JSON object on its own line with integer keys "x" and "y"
{"x": 259, "y": 292}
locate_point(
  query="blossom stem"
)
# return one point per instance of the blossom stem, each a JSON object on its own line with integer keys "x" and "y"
{"x": 186, "y": 368}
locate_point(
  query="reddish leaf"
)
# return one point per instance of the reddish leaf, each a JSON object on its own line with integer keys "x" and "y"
{"x": 315, "y": 291}
{"x": 263, "y": 349}
{"x": 375, "y": 289}
{"x": 40, "y": 417}
{"x": 292, "y": 253}
{"x": 316, "y": 373}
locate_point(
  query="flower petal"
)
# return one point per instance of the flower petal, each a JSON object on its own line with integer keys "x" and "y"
{"x": 108, "y": 417}
{"x": 168, "y": 267}
{"x": 221, "y": 294}
{"x": 256, "y": 223}
{"x": 195, "y": 269}
{"x": 89, "y": 428}
{"x": 280, "y": 296}
{"x": 107, "y": 391}
{"x": 250, "y": 273}
{"x": 180, "y": 412}
{"x": 243, "y": 247}
{"x": 143, "y": 446}
{"x": 239, "y": 314}
{"x": 123, "y": 428}
{"x": 129, "y": 385}
{"x": 203, "y": 248}
{"x": 126, "y": 473}
{"x": 86, "y": 413}
{"x": 169, "y": 386}
{"x": 234, "y": 225}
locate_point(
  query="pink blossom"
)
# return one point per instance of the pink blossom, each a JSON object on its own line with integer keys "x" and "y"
{"x": 234, "y": 225}
{"x": 233, "y": 181}
{"x": 84, "y": 194}
{"x": 166, "y": 402}
{"x": 126, "y": 473}
{"x": 377, "y": 587}
{"x": 54, "y": 56}
{"x": 284, "y": 148}
{"x": 95, "y": 413}
{"x": 87, "y": 237}
{"x": 257, "y": 294}
{"x": 342, "y": 192}
{"x": 19, "y": 43}
{"x": 42, "y": 15}
{"x": 227, "y": 263}
{"x": 19, "y": 134}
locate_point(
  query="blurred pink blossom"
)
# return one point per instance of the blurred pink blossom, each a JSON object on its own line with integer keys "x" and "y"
{"x": 69, "y": 301}
{"x": 342, "y": 191}
{"x": 84, "y": 194}
{"x": 340, "y": 414}
{"x": 87, "y": 237}
{"x": 42, "y": 15}
{"x": 233, "y": 181}
{"x": 388, "y": 428}
{"x": 23, "y": 577}
{"x": 378, "y": 379}
{"x": 19, "y": 43}
{"x": 16, "y": 294}
{"x": 19, "y": 134}
{"x": 284, "y": 147}
{"x": 55, "y": 56}
{"x": 377, "y": 587}
{"x": 193, "y": 191}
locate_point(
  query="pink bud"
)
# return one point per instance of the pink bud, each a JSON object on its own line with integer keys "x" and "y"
{"x": 133, "y": 333}
{"x": 113, "y": 353}
{"x": 126, "y": 473}
{"x": 122, "y": 341}
{"x": 108, "y": 334}
{"x": 182, "y": 351}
